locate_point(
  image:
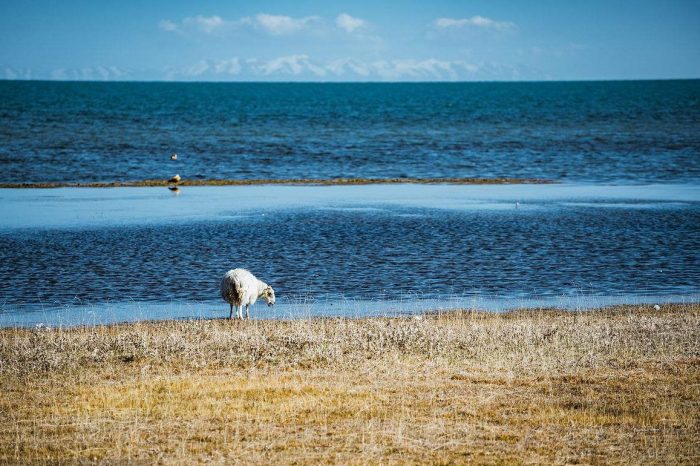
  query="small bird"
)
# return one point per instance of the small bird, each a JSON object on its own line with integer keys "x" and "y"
{"x": 657, "y": 307}
{"x": 175, "y": 179}
{"x": 517, "y": 205}
{"x": 173, "y": 156}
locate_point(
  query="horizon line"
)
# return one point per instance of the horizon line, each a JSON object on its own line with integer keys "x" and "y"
{"x": 493, "y": 81}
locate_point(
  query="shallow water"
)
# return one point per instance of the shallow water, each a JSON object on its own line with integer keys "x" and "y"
{"x": 128, "y": 253}
{"x": 93, "y": 207}
{"x": 305, "y": 307}
{"x": 623, "y": 132}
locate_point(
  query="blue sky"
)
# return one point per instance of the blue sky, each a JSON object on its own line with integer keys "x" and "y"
{"x": 298, "y": 40}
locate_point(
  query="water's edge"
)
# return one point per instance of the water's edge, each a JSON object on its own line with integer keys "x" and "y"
{"x": 129, "y": 312}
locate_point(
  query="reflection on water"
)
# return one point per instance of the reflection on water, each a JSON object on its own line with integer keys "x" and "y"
{"x": 92, "y": 207}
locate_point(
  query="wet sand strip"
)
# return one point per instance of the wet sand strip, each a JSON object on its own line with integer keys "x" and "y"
{"x": 291, "y": 181}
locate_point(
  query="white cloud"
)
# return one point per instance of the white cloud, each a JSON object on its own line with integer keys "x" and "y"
{"x": 203, "y": 24}
{"x": 279, "y": 25}
{"x": 206, "y": 24}
{"x": 210, "y": 25}
{"x": 473, "y": 22}
{"x": 167, "y": 25}
{"x": 349, "y": 23}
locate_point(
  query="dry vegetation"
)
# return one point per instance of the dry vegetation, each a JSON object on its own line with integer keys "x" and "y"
{"x": 615, "y": 386}
{"x": 301, "y": 181}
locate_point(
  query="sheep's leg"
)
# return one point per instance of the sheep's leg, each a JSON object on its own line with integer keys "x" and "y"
{"x": 239, "y": 311}
{"x": 247, "y": 314}
{"x": 230, "y": 314}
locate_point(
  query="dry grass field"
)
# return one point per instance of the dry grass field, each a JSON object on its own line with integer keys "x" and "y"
{"x": 620, "y": 385}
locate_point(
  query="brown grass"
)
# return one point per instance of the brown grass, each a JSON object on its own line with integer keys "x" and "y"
{"x": 300, "y": 181}
{"x": 620, "y": 385}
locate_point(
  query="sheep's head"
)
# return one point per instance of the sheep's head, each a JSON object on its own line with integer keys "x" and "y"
{"x": 269, "y": 295}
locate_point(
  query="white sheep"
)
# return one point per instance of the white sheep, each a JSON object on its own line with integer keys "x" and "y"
{"x": 240, "y": 288}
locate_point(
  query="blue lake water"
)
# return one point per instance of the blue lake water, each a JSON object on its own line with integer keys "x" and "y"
{"x": 622, "y": 132}
{"x": 78, "y": 255}
{"x": 623, "y": 225}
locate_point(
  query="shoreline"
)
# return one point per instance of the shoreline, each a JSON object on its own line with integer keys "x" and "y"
{"x": 118, "y": 314}
{"x": 615, "y": 385}
{"x": 268, "y": 181}
{"x": 517, "y": 313}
